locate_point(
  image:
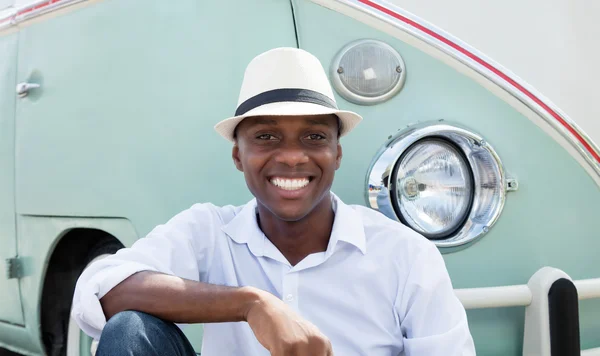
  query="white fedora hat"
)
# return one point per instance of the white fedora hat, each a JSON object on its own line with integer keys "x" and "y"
{"x": 286, "y": 82}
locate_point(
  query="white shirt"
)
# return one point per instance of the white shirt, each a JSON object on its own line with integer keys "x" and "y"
{"x": 378, "y": 289}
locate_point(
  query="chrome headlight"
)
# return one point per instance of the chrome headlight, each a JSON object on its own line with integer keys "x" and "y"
{"x": 432, "y": 187}
{"x": 443, "y": 181}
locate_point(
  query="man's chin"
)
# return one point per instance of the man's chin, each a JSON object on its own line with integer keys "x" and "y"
{"x": 288, "y": 211}
{"x": 291, "y": 215}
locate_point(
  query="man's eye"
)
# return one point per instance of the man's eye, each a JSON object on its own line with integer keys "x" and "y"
{"x": 266, "y": 137}
{"x": 315, "y": 137}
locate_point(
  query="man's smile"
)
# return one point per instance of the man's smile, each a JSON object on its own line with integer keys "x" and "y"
{"x": 290, "y": 183}
{"x": 291, "y": 188}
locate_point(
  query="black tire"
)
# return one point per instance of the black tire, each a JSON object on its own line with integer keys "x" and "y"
{"x": 65, "y": 267}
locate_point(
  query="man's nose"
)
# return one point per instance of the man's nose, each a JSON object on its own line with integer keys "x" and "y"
{"x": 291, "y": 156}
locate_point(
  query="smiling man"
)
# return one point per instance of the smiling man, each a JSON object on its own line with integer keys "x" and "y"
{"x": 293, "y": 272}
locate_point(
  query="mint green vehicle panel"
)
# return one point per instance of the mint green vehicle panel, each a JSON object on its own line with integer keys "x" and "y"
{"x": 131, "y": 105}
{"x": 552, "y": 220}
{"x": 10, "y": 304}
{"x": 122, "y": 125}
{"x": 17, "y": 338}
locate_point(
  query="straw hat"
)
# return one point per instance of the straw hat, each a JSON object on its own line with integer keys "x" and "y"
{"x": 286, "y": 82}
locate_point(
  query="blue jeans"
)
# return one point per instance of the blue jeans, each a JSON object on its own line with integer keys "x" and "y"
{"x": 135, "y": 333}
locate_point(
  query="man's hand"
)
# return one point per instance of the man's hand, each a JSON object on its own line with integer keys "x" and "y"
{"x": 282, "y": 331}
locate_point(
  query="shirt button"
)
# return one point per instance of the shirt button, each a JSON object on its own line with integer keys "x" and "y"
{"x": 289, "y": 298}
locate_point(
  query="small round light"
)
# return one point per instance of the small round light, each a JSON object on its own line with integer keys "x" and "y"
{"x": 368, "y": 72}
{"x": 433, "y": 187}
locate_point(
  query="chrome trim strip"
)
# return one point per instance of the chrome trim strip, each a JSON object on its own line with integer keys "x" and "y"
{"x": 7, "y": 18}
{"x": 16, "y": 15}
{"x": 494, "y": 72}
{"x": 41, "y": 7}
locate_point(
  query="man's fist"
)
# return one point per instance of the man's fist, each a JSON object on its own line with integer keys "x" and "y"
{"x": 282, "y": 331}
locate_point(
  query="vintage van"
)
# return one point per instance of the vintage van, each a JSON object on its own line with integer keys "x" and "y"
{"x": 107, "y": 110}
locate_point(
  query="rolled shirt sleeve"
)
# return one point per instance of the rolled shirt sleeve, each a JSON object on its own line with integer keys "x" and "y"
{"x": 433, "y": 321}
{"x": 182, "y": 247}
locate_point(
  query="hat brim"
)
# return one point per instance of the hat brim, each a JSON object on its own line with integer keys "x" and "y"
{"x": 349, "y": 119}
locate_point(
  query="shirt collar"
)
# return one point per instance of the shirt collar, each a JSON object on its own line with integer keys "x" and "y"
{"x": 244, "y": 229}
{"x": 347, "y": 227}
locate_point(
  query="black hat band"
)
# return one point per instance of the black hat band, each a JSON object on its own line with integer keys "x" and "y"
{"x": 285, "y": 95}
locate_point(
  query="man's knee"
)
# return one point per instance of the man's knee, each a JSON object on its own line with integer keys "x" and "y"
{"x": 137, "y": 333}
{"x": 127, "y": 323}
{"x": 125, "y": 333}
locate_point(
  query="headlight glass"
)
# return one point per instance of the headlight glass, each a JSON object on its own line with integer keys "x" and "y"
{"x": 433, "y": 187}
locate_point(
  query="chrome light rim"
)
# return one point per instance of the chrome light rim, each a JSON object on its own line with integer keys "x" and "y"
{"x": 352, "y": 97}
{"x": 471, "y": 144}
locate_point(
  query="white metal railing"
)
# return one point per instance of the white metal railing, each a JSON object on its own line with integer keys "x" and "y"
{"x": 494, "y": 297}
{"x": 517, "y": 295}
{"x": 591, "y": 352}
{"x": 588, "y": 288}
{"x": 533, "y": 296}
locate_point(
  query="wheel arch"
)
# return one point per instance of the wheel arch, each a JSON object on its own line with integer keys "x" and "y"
{"x": 42, "y": 241}
{"x": 67, "y": 260}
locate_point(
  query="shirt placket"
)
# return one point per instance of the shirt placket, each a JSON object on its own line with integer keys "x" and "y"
{"x": 290, "y": 289}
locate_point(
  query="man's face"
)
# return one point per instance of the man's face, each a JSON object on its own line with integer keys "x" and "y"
{"x": 288, "y": 161}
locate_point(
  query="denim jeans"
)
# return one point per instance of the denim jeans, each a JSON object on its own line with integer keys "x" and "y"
{"x": 135, "y": 333}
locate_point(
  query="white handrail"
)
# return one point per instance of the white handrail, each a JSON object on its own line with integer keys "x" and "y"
{"x": 494, "y": 297}
{"x": 533, "y": 296}
{"x": 591, "y": 352}
{"x": 517, "y": 295}
{"x": 588, "y": 288}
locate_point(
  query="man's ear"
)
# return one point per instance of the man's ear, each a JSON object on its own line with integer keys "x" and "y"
{"x": 338, "y": 159}
{"x": 235, "y": 154}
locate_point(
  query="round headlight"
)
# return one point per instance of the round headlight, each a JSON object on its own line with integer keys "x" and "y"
{"x": 368, "y": 72}
{"x": 432, "y": 188}
{"x": 441, "y": 180}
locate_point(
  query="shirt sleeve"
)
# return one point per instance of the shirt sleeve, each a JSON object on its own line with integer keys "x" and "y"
{"x": 182, "y": 247}
{"x": 432, "y": 319}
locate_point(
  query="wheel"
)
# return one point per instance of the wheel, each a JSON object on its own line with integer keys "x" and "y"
{"x": 61, "y": 334}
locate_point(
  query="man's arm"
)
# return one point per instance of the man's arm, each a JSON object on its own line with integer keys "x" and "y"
{"x": 277, "y": 327}
{"x": 433, "y": 320}
{"x": 179, "y": 300}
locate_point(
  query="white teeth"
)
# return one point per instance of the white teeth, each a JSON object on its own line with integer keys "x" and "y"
{"x": 290, "y": 184}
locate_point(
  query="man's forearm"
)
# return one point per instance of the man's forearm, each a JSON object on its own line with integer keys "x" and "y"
{"x": 179, "y": 300}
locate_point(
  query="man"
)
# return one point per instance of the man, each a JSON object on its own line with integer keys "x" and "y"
{"x": 293, "y": 272}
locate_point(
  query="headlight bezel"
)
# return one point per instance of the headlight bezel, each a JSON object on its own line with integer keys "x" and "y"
{"x": 477, "y": 152}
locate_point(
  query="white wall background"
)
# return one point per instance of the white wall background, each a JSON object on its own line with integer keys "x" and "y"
{"x": 554, "y": 45}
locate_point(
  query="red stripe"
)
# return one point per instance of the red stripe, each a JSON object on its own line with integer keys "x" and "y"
{"x": 491, "y": 68}
{"x": 37, "y": 7}
{"x": 28, "y": 10}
